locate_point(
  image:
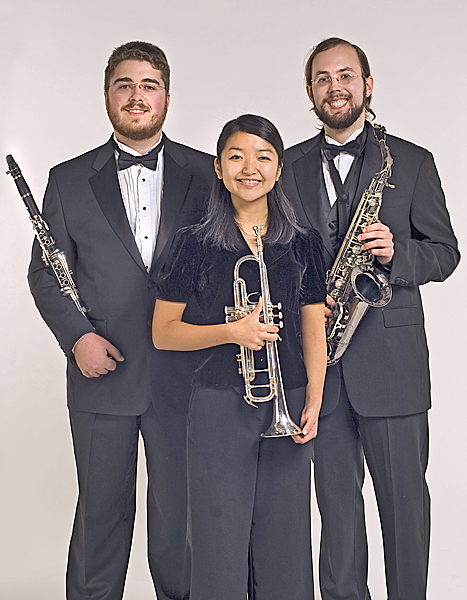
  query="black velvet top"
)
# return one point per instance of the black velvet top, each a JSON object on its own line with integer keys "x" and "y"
{"x": 296, "y": 277}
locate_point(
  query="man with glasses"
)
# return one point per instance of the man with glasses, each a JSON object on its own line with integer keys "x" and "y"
{"x": 114, "y": 211}
{"x": 376, "y": 397}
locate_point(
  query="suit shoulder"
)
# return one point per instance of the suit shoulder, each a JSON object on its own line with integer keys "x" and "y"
{"x": 404, "y": 147}
{"x": 191, "y": 155}
{"x": 298, "y": 150}
{"x": 79, "y": 162}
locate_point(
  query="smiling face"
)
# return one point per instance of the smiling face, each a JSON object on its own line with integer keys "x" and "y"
{"x": 136, "y": 117}
{"x": 340, "y": 105}
{"x": 249, "y": 167}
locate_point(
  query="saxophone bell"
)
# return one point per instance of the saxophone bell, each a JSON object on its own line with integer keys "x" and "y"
{"x": 370, "y": 286}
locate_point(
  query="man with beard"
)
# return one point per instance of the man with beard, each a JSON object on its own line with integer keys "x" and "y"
{"x": 114, "y": 211}
{"x": 376, "y": 397}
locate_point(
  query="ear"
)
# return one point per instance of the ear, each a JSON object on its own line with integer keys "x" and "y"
{"x": 217, "y": 168}
{"x": 309, "y": 93}
{"x": 279, "y": 171}
{"x": 168, "y": 101}
{"x": 369, "y": 86}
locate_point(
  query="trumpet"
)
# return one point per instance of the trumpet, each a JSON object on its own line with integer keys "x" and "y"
{"x": 282, "y": 424}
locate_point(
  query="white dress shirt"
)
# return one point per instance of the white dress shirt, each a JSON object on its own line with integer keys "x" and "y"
{"x": 343, "y": 164}
{"x": 142, "y": 192}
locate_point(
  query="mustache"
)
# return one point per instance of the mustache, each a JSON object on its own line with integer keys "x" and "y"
{"x": 346, "y": 96}
{"x": 139, "y": 105}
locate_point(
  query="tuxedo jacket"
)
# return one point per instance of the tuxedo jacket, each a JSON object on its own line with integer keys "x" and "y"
{"x": 385, "y": 369}
{"x": 84, "y": 209}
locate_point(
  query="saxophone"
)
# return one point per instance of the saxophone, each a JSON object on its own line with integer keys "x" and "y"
{"x": 282, "y": 424}
{"x": 352, "y": 281}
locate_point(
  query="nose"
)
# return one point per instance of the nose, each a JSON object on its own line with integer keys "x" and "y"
{"x": 249, "y": 166}
{"x": 136, "y": 93}
{"x": 335, "y": 84}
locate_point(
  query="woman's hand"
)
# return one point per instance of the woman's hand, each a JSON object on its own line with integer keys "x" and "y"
{"x": 251, "y": 332}
{"x": 314, "y": 354}
{"x": 308, "y": 424}
{"x": 169, "y": 332}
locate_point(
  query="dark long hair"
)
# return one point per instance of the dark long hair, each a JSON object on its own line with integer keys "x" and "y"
{"x": 219, "y": 227}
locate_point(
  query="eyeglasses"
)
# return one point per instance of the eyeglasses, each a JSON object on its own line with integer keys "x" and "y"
{"x": 343, "y": 79}
{"x": 148, "y": 89}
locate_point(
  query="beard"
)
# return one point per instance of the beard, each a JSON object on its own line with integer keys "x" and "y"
{"x": 343, "y": 121}
{"x": 132, "y": 129}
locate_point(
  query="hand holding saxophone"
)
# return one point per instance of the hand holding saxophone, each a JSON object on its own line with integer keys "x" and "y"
{"x": 378, "y": 241}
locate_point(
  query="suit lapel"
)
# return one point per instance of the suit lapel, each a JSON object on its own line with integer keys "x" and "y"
{"x": 176, "y": 184}
{"x": 104, "y": 184}
{"x": 308, "y": 175}
{"x": 371, "y": 166}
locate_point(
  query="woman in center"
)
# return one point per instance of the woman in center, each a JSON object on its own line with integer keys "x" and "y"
{"x": 248, "y": 496}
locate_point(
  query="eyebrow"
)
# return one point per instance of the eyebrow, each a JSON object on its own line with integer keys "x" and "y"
{"x": 145, "y": 80}
{"x": 241, "y": 149}
{"x": 338, "y": 71}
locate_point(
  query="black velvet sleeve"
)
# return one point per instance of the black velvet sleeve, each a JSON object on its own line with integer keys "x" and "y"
{"x": 178, "y": 275}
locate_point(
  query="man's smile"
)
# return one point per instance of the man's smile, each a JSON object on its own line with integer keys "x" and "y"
{"x": 338, "y": 102}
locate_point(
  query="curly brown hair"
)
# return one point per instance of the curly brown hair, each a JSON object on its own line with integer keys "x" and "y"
{"x": 143, "y": 51}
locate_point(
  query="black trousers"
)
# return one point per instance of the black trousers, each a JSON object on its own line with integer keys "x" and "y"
{"x": 249, "y": 501}
{"x": 106, "y": 448}
{"x": 396, "y": 452}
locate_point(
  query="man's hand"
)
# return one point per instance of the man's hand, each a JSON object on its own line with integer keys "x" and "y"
{"x": 95, "y": 356}
{"x": 378, "y": 240}
{"x": 330, "y": 303}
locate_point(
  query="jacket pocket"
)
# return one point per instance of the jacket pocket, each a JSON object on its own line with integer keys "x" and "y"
{"x": 100, "y": 325}
{"x": 399, "y": 317}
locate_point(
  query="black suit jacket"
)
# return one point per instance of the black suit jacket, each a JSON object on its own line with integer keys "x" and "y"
{"x": 385, "y": 368}
{"x": 84, "y": 209}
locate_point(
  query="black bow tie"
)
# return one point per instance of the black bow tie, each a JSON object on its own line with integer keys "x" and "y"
{"x": 148, "y": 160}
{"x": 330, "y": 151}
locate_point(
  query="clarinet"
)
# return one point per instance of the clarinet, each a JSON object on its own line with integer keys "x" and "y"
{"x": 51, "y": 255}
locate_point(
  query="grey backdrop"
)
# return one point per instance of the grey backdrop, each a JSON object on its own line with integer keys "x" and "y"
{"x": 226, "y": 58}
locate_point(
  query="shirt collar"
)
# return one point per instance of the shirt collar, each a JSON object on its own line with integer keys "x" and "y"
{"x": 354, "y": 136}
{"x": 131, "y": 151}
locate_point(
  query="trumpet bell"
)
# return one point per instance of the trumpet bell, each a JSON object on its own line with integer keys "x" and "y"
{"x": 282, "y": 427}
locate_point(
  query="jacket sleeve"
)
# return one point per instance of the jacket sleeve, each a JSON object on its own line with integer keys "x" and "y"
{"x": 61, "y": 315}
{"x": 430, "y": 253}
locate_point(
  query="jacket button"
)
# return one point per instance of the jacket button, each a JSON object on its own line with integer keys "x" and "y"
{"x": 332, "y": 225}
